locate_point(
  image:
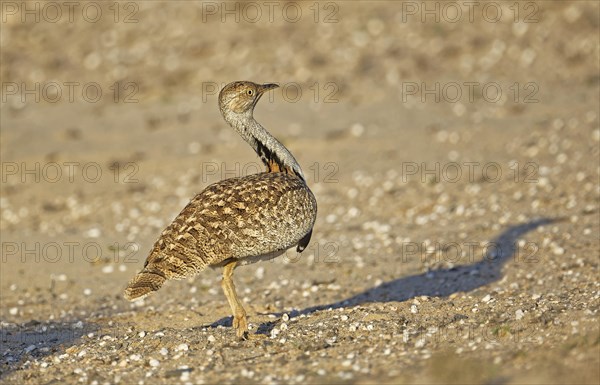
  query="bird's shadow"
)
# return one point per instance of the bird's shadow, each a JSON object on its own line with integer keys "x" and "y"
{"x": 444, "y": 281}
{"x": 35, "y": 340}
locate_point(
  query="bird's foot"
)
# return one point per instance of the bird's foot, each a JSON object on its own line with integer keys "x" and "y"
{"x": 240, "y": 323}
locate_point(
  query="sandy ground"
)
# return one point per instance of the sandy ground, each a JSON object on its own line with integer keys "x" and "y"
{"x": 457, "y": 239}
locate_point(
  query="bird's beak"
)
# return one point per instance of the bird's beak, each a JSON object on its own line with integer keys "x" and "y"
{"x": 267, "y": 87}
{"x": 263, "y": 88}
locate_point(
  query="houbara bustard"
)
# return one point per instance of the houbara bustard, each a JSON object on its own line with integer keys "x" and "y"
{"x": 235, "y": 221}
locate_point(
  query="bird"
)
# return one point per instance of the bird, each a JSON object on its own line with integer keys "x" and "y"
{"x": 236, "y": 221}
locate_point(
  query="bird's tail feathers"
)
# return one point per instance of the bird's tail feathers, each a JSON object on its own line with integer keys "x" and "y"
{"x": 144, "y": 283}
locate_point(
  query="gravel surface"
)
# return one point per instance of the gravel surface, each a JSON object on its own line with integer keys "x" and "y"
{"x": 457, "y": 239}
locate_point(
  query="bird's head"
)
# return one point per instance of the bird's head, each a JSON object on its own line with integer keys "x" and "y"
{"x": 241, "y": 97}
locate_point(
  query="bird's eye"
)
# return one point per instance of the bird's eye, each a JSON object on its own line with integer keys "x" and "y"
{"x": 250, "y": 92}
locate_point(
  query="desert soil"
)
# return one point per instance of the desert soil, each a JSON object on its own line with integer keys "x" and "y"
{"x": 457, "y": 239}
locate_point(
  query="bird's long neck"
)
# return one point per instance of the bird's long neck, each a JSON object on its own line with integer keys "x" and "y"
{"x": 275, "y": 156}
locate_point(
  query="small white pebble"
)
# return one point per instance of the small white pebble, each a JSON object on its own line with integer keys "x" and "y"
{"x": 108, "y": 269}
{"x": 183, "y": 347}
{"x": 93, "y": 233}
{"x": 153, "y": 362}
{"x": 92, "y": 61}
{"x": 352, "y": 193}
{"x": 285, "y": 317}
{"x": 13, "y": 310}
{"x": 519, "y": 314}
{"x": 194, "y": 148}
{"x": 459, "y": 109}
{"x": 357, "y": 130}
{"x": 487, "y": 298}
{"x": 164, "y": 351}
{"x": 87, "y": 291}
{"x": 274, "y": 332}
{"x": 211, "y": 338}
{"x": 260, "y": 272}
{"x": 142, "y": 334}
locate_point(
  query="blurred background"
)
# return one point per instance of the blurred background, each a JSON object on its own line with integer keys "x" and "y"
{"x": 417, "y": 123}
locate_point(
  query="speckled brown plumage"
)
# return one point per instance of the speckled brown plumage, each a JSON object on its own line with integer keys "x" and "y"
{"x": 239, "y": 220}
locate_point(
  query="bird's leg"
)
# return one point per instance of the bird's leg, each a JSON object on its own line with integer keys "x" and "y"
{"x": 240, "y": 323}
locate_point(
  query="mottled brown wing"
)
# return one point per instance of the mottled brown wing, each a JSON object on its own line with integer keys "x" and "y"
{"x": 247, "y": 216}
{"x": 234, "y": 218}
